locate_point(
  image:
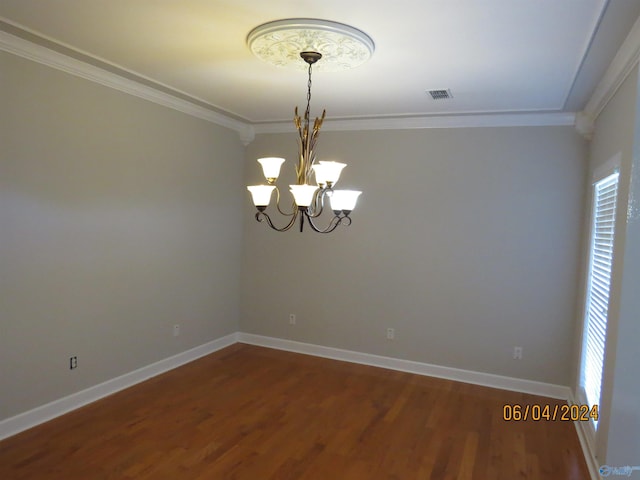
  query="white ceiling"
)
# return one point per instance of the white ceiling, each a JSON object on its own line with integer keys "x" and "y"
{"x": 495, "y": 56}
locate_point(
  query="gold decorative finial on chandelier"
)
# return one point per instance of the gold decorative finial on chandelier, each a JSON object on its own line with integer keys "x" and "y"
{"x": 345, "y": 47}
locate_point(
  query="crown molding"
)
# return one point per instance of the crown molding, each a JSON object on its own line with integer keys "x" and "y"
{"x": 45, "y": 56}
{"x": 426, "y": 121}
{"x": 625, "y": 60}
{"x": 585, "y": 124}
{"x": 247, "y": 131}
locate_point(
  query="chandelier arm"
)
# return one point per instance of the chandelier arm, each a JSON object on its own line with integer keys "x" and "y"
{"x": 260, "y": 216}
{"x": 318, "y": 203}
{"x": 293, "y": 209}
{"x": 335, "y": 221}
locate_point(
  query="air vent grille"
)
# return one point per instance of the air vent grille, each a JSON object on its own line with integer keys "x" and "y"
{"x": 440, "y": 94}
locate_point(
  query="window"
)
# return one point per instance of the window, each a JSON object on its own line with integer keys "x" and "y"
{"x": 597, "y": 295}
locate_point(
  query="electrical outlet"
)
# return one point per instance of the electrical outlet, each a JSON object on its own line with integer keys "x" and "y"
{"x": 292, "y": 319}
{"x": 176, "y": 330}
{"x": 391, "y": 333}
{"x": 517, "y": 353}
{"x": 73, "y": 363}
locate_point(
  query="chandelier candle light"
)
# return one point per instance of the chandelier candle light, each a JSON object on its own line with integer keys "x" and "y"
{"x": 346, "y": 47}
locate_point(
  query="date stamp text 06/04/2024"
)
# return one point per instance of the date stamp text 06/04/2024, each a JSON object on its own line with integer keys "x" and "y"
{"x": 541, "y": 412}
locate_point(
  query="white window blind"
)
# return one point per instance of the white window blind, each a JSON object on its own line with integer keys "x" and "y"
{"x": 597, "y": 307}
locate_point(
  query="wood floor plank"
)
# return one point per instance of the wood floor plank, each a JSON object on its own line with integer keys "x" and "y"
{"x": 250, "y": 413}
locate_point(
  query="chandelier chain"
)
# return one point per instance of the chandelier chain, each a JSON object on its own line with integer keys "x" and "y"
{"x": 307, "y": 112}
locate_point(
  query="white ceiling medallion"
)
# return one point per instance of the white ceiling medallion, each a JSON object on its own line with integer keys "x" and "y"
{"x": 280, "y": 43}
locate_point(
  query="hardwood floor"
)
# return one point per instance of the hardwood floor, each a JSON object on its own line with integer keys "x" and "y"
{"x": 253, "y": 413}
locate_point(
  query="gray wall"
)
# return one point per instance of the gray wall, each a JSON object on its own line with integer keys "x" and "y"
{"x": 466, "y": 241}
{"x": 624, "y": 434}
{"x": 617, "y": 131}
{"x": 118, "y": 219}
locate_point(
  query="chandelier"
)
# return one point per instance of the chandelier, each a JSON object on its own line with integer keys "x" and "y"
{"x": 282, "y": 43}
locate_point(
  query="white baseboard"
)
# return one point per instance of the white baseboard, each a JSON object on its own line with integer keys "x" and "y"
{"x": 587, "y": 451}
{"x": 41, "y": 414}
{"x": 466, "y": 376}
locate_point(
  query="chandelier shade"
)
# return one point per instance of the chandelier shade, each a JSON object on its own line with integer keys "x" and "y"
{"x": 327, "y": 173}
{"x": 261, "y": 194}
{"x": 271, "y": 167}
{"x": 303, "y": 194}
{"x": 345, "y": 47}
{"x": 344, "y": 200}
